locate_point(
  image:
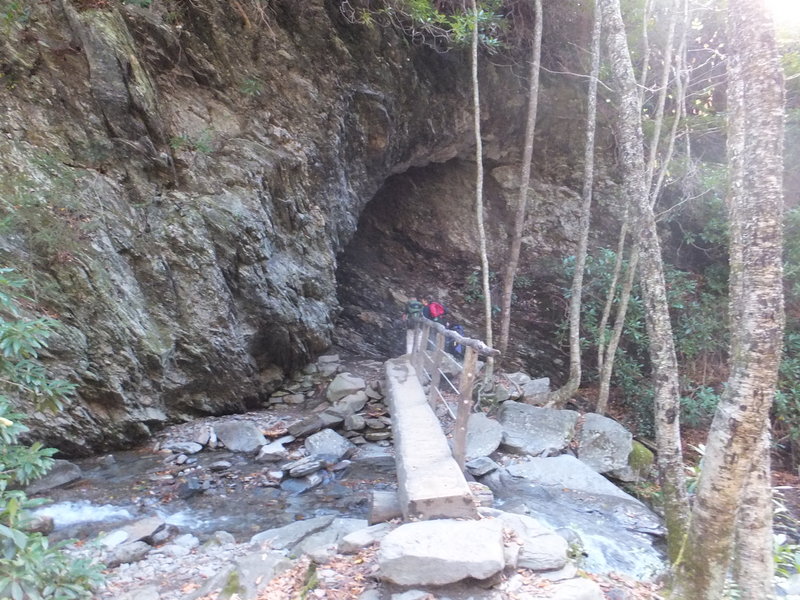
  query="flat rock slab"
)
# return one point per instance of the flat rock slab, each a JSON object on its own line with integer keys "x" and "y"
{"x": 536, "y": 431}
{"x": 61, "y": 473}
{"x": 288, "y": 536}
{"x": 566, "y": 472}
{"x": 328, "y": 442}
{"x": 442, "y": 551}
{"x": 483, "y": 436}
{"x": 430, "y": 484}
{"x": 240, "y": 436}
{"x": 542, "y": 549}
{"x": 604, "y": 444}
{"x": 343, "y": 385}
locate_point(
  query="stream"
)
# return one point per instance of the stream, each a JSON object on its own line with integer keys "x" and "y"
{"x": 126, "y": 486}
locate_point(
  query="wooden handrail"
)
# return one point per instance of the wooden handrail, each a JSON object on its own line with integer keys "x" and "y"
{"x": 477, "y": 345}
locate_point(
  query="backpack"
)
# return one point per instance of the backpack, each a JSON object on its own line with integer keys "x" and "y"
{"x": 436, "y": 310}
{"x": 451, "y": 346}
{"x": 414, "y": 308}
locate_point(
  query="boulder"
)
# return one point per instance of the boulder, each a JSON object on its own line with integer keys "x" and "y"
{"x": 442, "y": 551}
{"x": 273, "y": 452}
{"x": 361, "y": 538}
{"x": 565, "y": 472}
{"x": 286, "y": 537}
{"x": 240, "y": 436}
{"x": 349, "y": 405}
{"x": 328, "y": 442}
{"x": 324, "y": 543}
{"x": 481, "y": 466}
{"x": 640, "y": 464}
{"x": 536, "y": 391}
{"x": 186, "y": 447}
{"x": 128, "y": 553}
{"x": 247, "y": 578}
{"x": 345, "y": 384}
{"x": 61, "y": 473}
{"x": 483, "y": 436}
{"x": 604, "y": 444}
{"x": 314, "y": 423}
{"x": 536, "y": 431}
{"x": 579, "y": 588}
{"x": 542, "y": 549}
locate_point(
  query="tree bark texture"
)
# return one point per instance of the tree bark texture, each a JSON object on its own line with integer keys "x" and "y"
{"x": 754, "y": 565}
{"x": 525, "y": 178}
{"x": 566, "y": 392}
{"x": 659, "y": 328}
{"x": 755, "y": 209}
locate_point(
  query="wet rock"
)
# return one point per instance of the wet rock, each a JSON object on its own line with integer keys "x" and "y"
{"x": 442, "y": 551}
{"x": 604, "y": 444}
{"x": 43, "y": 524}
{"x": 191, "y": 487}
{"x": 377, "y": 436}
{"x": 483, "y": 436}
{"x": 300, "y": 485}
{"x": 343, "y": 385}
{"x": 61, "y": 473}
{"x": 481, "y": 466}
{"x": 219, "y": 465}
{"x": 328, "y": 442}
{"x": 536, "y": 431}
{"x": 240, "y": 436}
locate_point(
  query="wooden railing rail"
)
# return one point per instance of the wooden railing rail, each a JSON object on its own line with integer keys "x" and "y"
{"x": 430, "y": 369}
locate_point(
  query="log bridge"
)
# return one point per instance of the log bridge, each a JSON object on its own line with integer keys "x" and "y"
{"x": 430, "y": 476}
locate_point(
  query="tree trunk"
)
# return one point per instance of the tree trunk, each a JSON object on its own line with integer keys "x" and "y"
{"x": 566, "y": 392}
{"x": 525, "y": 178}
{"x": 754, "y": 566}
{"x": 659, "y": 328}
{"x": 487, "y": 295}
{"x": 755, "y": 208}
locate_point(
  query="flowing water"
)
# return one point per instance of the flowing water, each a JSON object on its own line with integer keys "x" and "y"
{"x": 119, "y": 488}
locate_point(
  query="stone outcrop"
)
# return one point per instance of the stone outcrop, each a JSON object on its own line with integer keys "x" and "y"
{"x": 206, "y": 192}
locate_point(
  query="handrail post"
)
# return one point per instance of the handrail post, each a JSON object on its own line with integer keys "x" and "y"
{"x": 436, "y": 374}
{"x": 419, "y": 357}
{"x": 464, "y": 406}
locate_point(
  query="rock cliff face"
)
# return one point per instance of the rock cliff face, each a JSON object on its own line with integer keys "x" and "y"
{"x": 181, "y": 181}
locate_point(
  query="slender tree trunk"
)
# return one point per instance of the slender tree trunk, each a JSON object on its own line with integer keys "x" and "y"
{"x": 566, "y": 392}
{"x": 616, "y": 334}
{"x": 754, "y": 566}
{"x": 607, "y": 348}
{"x": 755, "y": 208}
{"x": 476, "y": 98}
{"x": 659, "y": 328}
{"x": 602, "y": 342}
{"x": 525, "y": 178}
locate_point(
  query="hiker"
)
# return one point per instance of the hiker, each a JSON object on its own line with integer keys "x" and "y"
{"x": 453, "y": 347}
{"x": 434, "y": 311}
{"x": 414, "y": 308}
